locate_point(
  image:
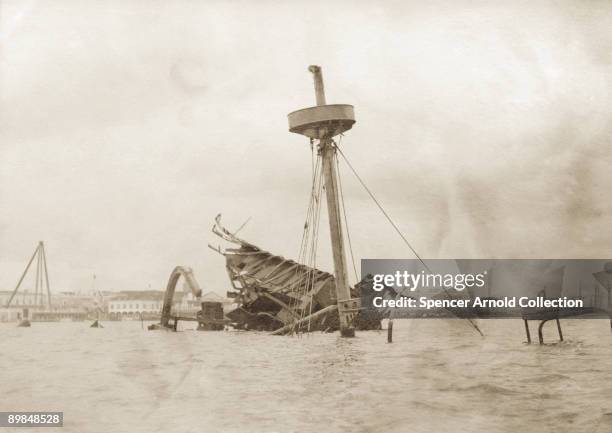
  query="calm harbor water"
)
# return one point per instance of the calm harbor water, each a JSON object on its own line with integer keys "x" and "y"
{"x": 437, "y": 376}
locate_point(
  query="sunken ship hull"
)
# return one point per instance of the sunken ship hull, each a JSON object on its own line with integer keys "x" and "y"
{"x": 276, "y": 294}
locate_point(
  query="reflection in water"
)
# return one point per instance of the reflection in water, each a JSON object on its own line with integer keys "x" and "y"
{"x": 436, "y": 376}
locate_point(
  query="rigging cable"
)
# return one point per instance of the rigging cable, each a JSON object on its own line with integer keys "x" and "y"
{"x": 380, "y": 206}
{"x": 305, "y": 274}
{"x": 314, "y": 247}
{"x": 394, "y": 225}
{"x": 348, "y": 234}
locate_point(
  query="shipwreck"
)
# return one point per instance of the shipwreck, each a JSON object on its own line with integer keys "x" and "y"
{"x": 284, "y": 296}
{"x": 276, "y": 294}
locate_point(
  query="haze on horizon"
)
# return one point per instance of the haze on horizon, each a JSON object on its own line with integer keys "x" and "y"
{"x": 483, "y": 127}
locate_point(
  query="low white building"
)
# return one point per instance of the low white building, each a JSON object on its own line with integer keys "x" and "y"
{"x": 134, "y": 307}
{"x": 149, "y": 303}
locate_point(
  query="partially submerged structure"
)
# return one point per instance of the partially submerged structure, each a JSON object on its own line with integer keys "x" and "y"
{"x": 282, "y": 295}
{"x": 277, "y": 294}
{"x": 273, "y": 293}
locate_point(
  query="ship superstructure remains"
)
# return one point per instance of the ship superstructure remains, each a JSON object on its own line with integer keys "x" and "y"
{"x": 277, "y": 294}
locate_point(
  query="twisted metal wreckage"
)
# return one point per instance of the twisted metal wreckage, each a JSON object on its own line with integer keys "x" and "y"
{"x": 283, "y": 296}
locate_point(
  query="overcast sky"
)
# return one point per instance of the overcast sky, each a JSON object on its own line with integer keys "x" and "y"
{"x": 485, "y": 130}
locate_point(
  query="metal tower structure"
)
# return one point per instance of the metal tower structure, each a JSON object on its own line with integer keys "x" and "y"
{"x": 322, "y": 123}
{"x": 42, "y": 278}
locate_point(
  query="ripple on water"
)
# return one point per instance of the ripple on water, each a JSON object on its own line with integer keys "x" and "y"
{"x": 432, "y": 378}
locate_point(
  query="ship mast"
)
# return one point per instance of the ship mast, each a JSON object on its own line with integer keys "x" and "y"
{"x": 322, "y": 123}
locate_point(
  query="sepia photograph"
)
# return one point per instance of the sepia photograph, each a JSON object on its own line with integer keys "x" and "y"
{"x": 305, "y": 216}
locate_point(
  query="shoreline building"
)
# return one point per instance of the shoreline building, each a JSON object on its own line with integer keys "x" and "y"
{"x": 127, "y": 304}
{"x": 64, "y": 305}
{"x": 148, "y": 304}
{"x": 135, "y": 304}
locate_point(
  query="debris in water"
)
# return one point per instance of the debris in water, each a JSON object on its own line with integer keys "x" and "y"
{"x": 281, "y": 295}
